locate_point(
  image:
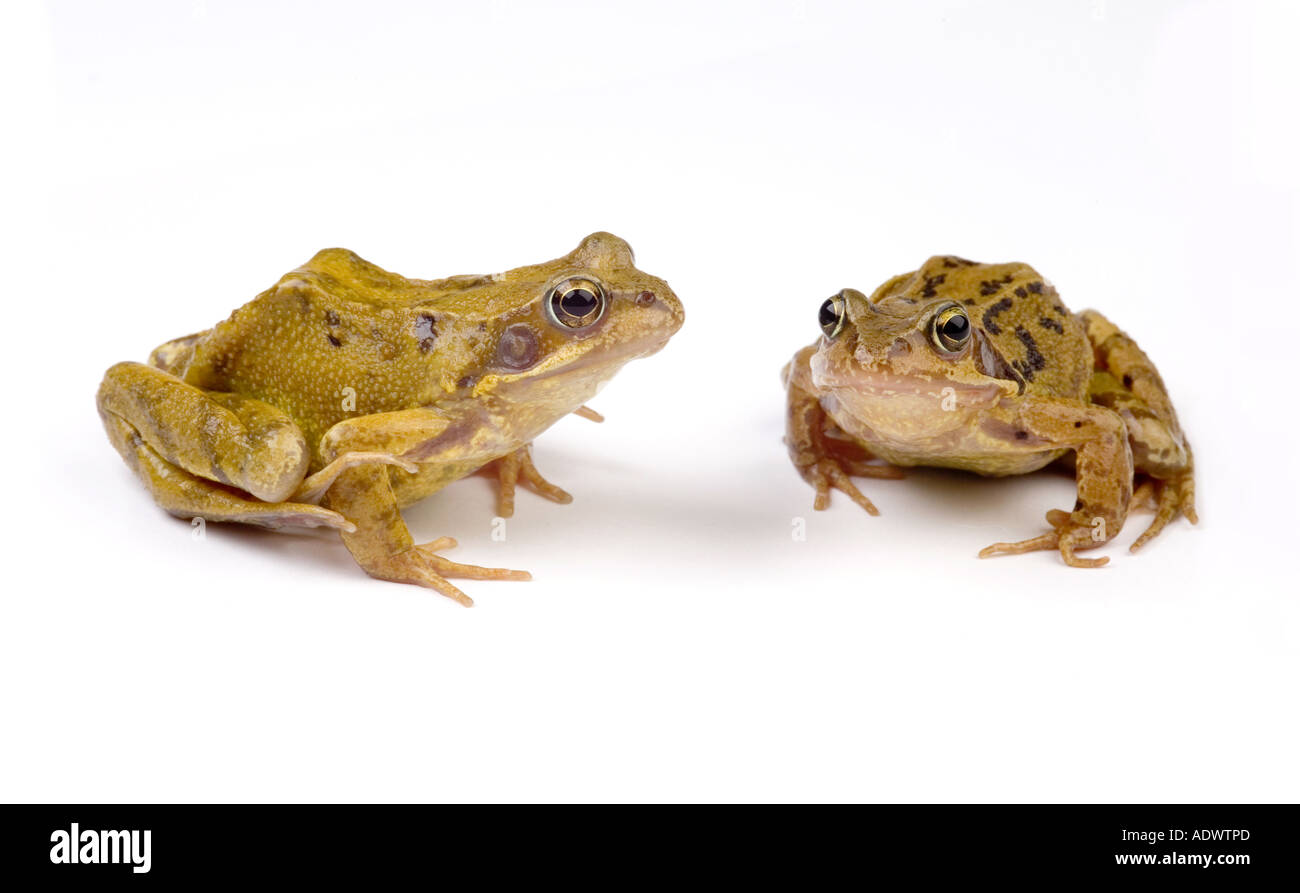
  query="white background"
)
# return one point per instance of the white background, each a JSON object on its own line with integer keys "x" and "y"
{"x": 166, "y": 161}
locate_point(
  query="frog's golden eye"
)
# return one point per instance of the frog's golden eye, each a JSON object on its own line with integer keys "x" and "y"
{"x": 577, "y": 303}
{"x": 951, "y": 329}
{"x": 831, "y": 315}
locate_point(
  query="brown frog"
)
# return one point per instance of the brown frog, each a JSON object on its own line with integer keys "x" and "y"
{"x": 345, "y": 392}
{"x": 981, "y": 367}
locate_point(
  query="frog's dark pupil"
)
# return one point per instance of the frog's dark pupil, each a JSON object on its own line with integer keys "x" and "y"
{"x": 955, "y": 327}
{"x": 578, "y": 302}
{"x": 829, "y": 316}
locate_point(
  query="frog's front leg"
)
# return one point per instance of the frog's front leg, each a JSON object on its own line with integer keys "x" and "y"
{"x": 381, "y": 542}
{"x": 512, "y": 469}
{"x": 1103, "y": 469}
{"x": 823, "y": 460}
{"x": 1127, "y": 382}
{"x": 206, "y": 454}
{"x": 515, "y": 468}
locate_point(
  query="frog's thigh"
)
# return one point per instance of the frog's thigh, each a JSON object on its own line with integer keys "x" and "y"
{"x": 1119, "y": 354}
{"x": 1158, "y": 449}
{"x": 183, "y": 494}
{"x": 227, "y": 438}
{"x": 1133, "y": 373}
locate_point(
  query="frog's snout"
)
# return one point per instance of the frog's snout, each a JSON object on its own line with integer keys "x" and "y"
{"x": 667, "y": 311}
{"x": 882, "y": 355}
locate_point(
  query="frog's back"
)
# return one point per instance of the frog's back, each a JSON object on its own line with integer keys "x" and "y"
{"x": 335, "y": 338}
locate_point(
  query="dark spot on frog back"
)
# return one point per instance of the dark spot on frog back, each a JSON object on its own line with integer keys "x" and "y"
{"x": 992, "y": 364}
{"x": 1034, "y": 359}
{"x": 426, "y": 331}
{"x": 930, "y": 287}
{"x": 993, "y": 310}
{"x": 990, "y": 287}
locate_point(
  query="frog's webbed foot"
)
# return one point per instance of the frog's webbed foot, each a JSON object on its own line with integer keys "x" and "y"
{"x": 312, "y": 490}
{"x": 1069, "y": 535}
{"x": 589, "y": 414}
{"x": 1169, "y": 499}
{"x": 517, "y": 468}
{"x": 422, "y": 566}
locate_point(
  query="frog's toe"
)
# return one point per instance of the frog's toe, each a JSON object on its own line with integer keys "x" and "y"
{"x": 1066, "y": 538}
{"x": 1144, "y": 496}
{"x": 534, "y": 481}
{"x": 518, "y": 468}
{"x": 1169, "y": 499}
{"x": 1187, "y": 498}
{"x": 1034, "y": 544}
{"x": 420, "y": 566}
{"x": 448, "y": 568}
{"x": 1066, "y": 548}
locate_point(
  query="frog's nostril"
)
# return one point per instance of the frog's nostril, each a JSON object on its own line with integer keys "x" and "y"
{"x": 900, "y": 348}
{"x": 645, "y": 299}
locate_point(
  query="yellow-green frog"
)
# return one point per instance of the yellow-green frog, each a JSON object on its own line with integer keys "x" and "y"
{"x": 981, "y": 367}
{"x": 345, "y": 392}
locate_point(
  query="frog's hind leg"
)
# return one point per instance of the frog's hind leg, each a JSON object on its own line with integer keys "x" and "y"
{"x": 188, "y": 496}
{"x": 1127, "y": 381}
{"x": 218, "y": 456}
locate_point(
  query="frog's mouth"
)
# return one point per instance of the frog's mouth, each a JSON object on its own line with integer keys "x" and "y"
{"x": 884, "y": 385}
{"x": 614, "y": 355}
{"x": 880, "y": 384}
{"x": 602, "y": 363}
{"x": 903, "y": 408}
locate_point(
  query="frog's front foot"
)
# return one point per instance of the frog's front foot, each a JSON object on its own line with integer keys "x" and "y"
{"x": 829, "y": 464}
{"x": 1071, "y": 533}
{"x": 515, "y": 468}
{"x": 1169, "y": 499}
{"x": 422, "y": 566}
